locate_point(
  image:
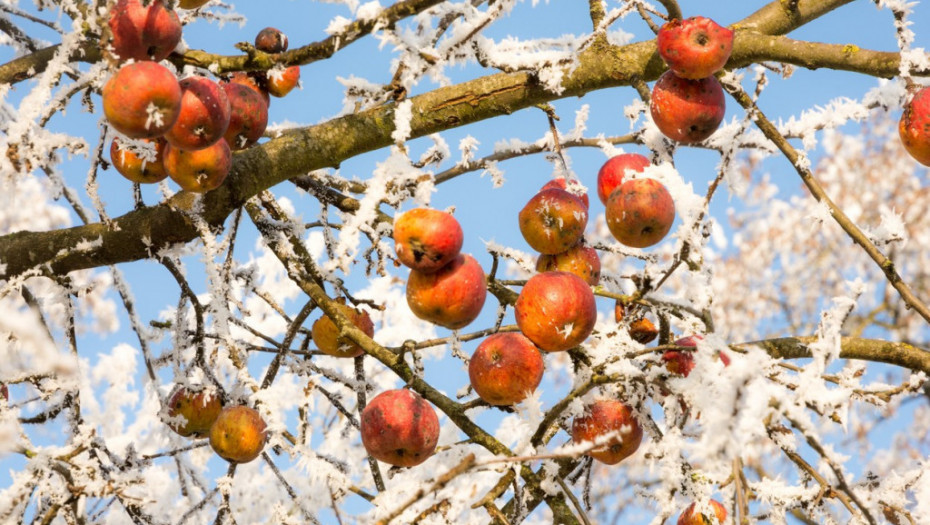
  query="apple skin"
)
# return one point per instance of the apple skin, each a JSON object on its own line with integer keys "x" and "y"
{"x": 325, "y": 333}
{"x": 605, "y": 416}
{"x": 580, "y": 260}
{"x": 556, "y": 310}
{"x": 571, "y": 186}
{"x": 248, "y": 115}
{"x": 688, "y": 111}
{"x": 142, "y": 100}
{"x": 143, "y": 32}
{"x": 281, "y": 83}
{"x": 137, "y": 169}
{"x": 238, "y": 434}
{"x": 191, "y": 4}
{"x": 914, "y": 127}
{"x": 199, "y": 408}
{"x": 452, "y": 296}
{"x": 691, "y": 517}
{"x": 204, "y": 116}
{"x": 271, "y": 40}
{"x": 695, "y": 47}
{"x": 5, "y": 392}
{"x": 251, "y": 82}
{"x": 201, "y": 170}
{"x": 640, "y": 212}
{"x": 681, "y": 362}
{"x": 610, "y": 176}
{"x": 553, "y": 221}
{"x": 426, "y": 239}
{"x": 400, "y": 428}
{"x": 505, "y": 368}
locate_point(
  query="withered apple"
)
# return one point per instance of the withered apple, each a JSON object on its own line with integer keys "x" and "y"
{"x": 271, "y": 40}
{"x": 553, "y": 220}
{"x": 580, "y": 260}
{"x": 640, "y": 212}
{"x": 692, "y": 517}
{"x": 610, "y": 176}
{"x": 137, "y": 167}
{"x": 238, "y": 434}
{"x": 325, "y": 333}
{"x": 686, "y": 110}
{"x": 143, "y": 30}
{"x": 199, "y": 409}
{"x": 451, "y": 296}
{"x": 609, "y": 416}
{"x": 142, "y": 100}
{"x": 400, "y": 428}
{"x": 695, "y": 47}
{"x": 505, "y": 368}
{"x": 201, "y": 170}
{"x": 426, "y": 239}
{"x": 556, "y": 310}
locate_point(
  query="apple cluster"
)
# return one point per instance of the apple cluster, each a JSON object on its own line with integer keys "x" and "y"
{"x": 687, "y": 102}
{"x": 237, "y": 433}
{"x": 183, "y": 129}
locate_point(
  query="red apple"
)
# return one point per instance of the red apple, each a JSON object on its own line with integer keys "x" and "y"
{"x": 553, "y": 221}
{"x": 271, "y": 40}
{"x": 142, "y": 100}
{"x": 556, "y": 310}
{"x": 200, "y": 409}
{"x": 204, "y": 115}
{"x": 326, "y": 337}
{"x": 610, "y": 176}
{"x": 238, "y": 434}
{"x": 505, "y": 368}
{"x": 572, "y": 186}
{"x": 400, "y": 428}
{"x": 282, "y": 81}
{"x": 643, "y": 331}
{"x": 914, "y": 127}
{"x": 681, "y": 362}
{"x": 686, "y": 110}
{"x": 4, "y": 392}
{"x": 426, "y": 239}
{"x": 248, "y": 116}
{"x": 191, "y": 4}
{"x": 252, "y": 83}
{"x": 696, "y": 47}
{"x": 143, "y": 32}
{"x": 137, "y": 167}
{"x": 608, "y": 416}
{"x": 580, "y": 260}
{"x": 201, "y": 170}
{"x": 451, "y": 296}
{"x": 692, "y": 517}
{"x": 640, "y": 212}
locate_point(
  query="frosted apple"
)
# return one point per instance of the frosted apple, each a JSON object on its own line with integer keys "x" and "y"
{"x": 238, "y": 434}
{"x": 282, "y": 81}
{"x": 572, "y": 186}
{"x": 556, "y": 310}
{"x": 199, "y": 409}
{"x": 610, "y": 176}
{"x": 452, "y": 296}
{"x": 204, "y": 115}
{"x": 143, "y": 31}
{"x": 426, "y": 239}
{"x": 553, "y": 220}
{"x": 201, "y": 170}
{"x": 643, "y": 331}
{"x": 695, "y": 47}
{"x": 692, "y": 517}
{"x": 580, "y": 260}
{"x": 640, "y": 212}
{"x": 914, "y": 127}
{"x": 400, "y": 428}
{"x": 271, "y": 40}
{"x": 326, "y": 337}
{"x": 142, "y": 100}
{"x": 137, "y": 167}
{"x": 248, "y": 115}
{"x": 505, "y": 368}
{"x": 681, "y": 362}
{"x": 607, "y": 416}
{"x": 686, "y": 110}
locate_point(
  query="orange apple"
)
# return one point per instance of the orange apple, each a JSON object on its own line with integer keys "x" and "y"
{"x": 238, "y": 434}
{"x": 143, "y": 30}
{"x": 325, "y": 333}
{"x": 452, "y": 296}
{"x": 199, "y": 409}
{"x": 505, "y": 368}
{"x": 135, "y": 167}
{"x": 201, "y": 170}
{"x": 556, "y": 310}
{"x": 142, "y": 100}
{"x": 580, "y": 260}
{"x": 692, "y": 517}
{"x": 281, "y": 82}
{"x": 400, "y": 428}
{"x": 604, "y": 417}
{"x": 426, "y": 239}
{"x": 640, "y": 212}
{"x": 553, "y": 220}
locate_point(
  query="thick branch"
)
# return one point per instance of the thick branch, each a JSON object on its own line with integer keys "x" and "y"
{"x": 898, "y": 354}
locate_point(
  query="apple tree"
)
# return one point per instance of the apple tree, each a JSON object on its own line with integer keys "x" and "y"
{"x": 342, "y": 262}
